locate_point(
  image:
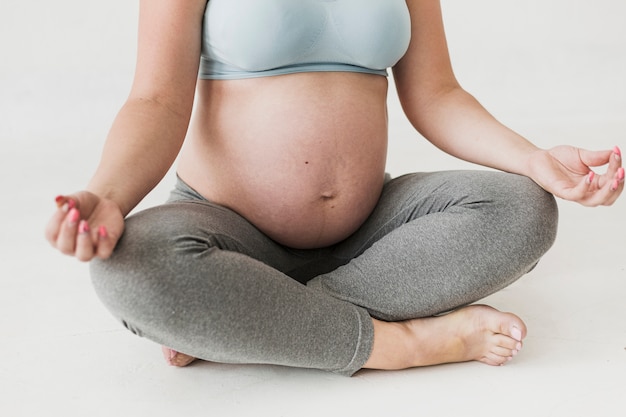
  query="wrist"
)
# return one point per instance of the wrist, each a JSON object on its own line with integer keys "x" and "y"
{"x": 111, "y": 196}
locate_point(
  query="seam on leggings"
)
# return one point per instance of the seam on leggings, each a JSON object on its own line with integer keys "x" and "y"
{"x": 351, "y": 369}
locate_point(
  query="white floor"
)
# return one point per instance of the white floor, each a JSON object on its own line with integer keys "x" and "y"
{"x": 554, "y": 71}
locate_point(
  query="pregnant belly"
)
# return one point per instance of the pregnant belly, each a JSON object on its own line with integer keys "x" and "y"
{"x": 301, "y": 197}
{"x": 301, "y": 211}
{"x": 303, "y": 162}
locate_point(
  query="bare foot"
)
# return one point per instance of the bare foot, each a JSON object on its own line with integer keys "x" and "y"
{"x": 476, "y": 332}
{"x": 175, "y": 358}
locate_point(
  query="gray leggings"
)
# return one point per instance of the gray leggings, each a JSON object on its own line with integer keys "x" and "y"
{"x": 199, "y": 278}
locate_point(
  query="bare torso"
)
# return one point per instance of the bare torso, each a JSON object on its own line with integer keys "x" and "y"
{"x": 301, "y": 156}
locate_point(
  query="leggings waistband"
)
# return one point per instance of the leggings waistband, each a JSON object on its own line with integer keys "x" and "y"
{"x": 182, "y": 191}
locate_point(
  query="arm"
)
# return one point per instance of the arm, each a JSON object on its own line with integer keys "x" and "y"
{"x": 455, "y": 122}
{"x": 146, "y": 135}
{"x": 149, "y": 130}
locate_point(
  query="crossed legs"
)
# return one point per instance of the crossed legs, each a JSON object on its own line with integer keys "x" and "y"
{"x": 199, "y": 279}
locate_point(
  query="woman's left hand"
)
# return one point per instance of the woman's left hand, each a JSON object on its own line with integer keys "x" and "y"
{"x": 566, "y": 172}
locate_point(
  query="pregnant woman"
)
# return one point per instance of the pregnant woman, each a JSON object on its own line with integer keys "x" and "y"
{"x": 284, "y": 242}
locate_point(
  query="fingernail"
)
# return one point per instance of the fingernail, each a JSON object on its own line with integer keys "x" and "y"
{"x": 590, "y": 177}
{"x": 62, "y": 203}
{"x": 68, "y": 205}
{"x": 102, "y": 232}
{"x": 618, "y": 153}
{"x": 516, "y": 333}
{"x": 73, "y": 216}
{"x": 83, "y": 227}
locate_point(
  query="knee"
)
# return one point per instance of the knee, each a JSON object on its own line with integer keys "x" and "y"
{"x": 531, "y": 212}
{"x": 162, "y": 258}
{"x": 129, "y": 282}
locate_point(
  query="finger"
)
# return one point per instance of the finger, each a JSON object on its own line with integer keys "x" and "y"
{"x": 66, "y": 239}
{"x": 105, "y": 244}
{"x": 613, "y": 180}
{"x": 583, "y": 190}
{"x": 617, "y": 187}
{"x": 619, "y": 171}
{"x": 587, "y": 192}
{"x": 603, "y": 195}
{"x": 65, "y": 202}
{"x": 619, "y": 177}
{"x": 51, "y": 231}
{"x": 54, "y": 225}
{"x": 84, "y": 242}
{"x": 615, "y": 163}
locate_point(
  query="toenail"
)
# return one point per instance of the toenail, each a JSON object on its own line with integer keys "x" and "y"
{"x": 514, "y": 352}
{"x": 518, "y": 346}
{"x": 516, "y": 333}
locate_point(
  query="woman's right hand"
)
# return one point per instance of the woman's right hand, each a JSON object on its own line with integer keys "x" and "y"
{"x": 85, "y": 226}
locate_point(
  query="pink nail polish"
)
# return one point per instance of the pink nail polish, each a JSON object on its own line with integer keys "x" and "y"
{"x": 618, "y": 152}
{"x": 102, "y": 232}
{"x": 620, "y": 174}
{"x": 590, "y": 177}
{"x": 83, "y": 227}
{"x": 60, "y": 200}
{"x": 73, "y": 216}
{"x": 614, "y": 185}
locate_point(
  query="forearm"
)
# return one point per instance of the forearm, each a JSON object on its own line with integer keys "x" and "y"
{"x": 142, "y": 144}
{"x": 457, "y": 123}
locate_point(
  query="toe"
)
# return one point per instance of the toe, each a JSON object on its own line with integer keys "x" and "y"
{"x": 500, "y": 351}
{"x": 506, "y": 342}
{"x": 513, "y": 327}
{"x": 494, "y": 359}
{"x": 168, "y": 354}
{"x": 507, "y": 324}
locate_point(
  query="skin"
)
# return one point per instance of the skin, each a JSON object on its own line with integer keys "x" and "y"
{"x": 310, "y": 146}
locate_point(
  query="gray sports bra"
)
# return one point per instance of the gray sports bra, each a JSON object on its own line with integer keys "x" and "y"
{"x": 256, "y": 38}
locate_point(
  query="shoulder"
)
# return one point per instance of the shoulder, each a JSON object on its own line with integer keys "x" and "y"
{"x": 427, "y": 61}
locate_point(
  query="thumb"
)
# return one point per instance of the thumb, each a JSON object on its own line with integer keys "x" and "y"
{"x": 65, "y": 201}
{"x": 594, "y": 158}
{"x": 82, "y": 200}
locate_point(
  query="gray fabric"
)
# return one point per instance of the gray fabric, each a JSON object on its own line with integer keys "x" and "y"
{"x": 199, "y": 278}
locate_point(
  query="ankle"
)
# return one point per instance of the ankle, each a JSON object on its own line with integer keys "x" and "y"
{"x": 393, "y": 346}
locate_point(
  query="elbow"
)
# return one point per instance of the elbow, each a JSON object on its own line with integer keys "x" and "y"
{"x": 426, "y": 106}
